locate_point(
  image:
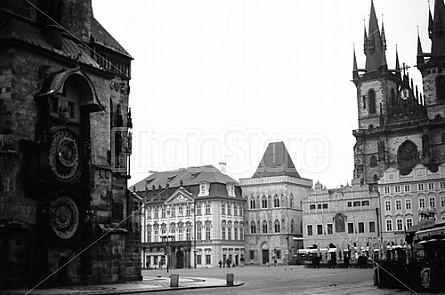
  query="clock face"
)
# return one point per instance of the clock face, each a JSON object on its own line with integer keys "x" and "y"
{"x": 64, "y": 217}
{"x": 63, "y": 157}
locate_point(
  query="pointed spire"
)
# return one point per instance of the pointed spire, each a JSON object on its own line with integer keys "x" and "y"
{"x": 438, "y": 38}
{"x": 374, "y": 50}
{"x": 365, "y": 37}
{"x": 354, "y": 65}
{"x": 430, "y": 22}
{"x": 420, "y": 58}
{"x": 398, "y": 74}
{"x": 383, "y": 37}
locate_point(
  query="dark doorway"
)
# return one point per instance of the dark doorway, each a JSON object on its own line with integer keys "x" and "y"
{"x": 265, "y": 256}
{"x": 62, "y": 274}
{"x": 179, "y": 259}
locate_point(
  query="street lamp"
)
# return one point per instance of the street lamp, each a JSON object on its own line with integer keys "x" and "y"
{"x": 167, "y": 248}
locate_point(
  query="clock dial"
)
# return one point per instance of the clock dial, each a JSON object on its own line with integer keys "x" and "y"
{"x": 63, "y": 157}
{"x": 64, "y": 217}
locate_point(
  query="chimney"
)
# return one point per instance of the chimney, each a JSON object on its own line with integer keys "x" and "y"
{"x": 222, "y": 167}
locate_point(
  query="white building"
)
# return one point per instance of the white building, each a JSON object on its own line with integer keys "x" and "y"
{"x": 192, "y": 217}
{"x": 345, "y": 216}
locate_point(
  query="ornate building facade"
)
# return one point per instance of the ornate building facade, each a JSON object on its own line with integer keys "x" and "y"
{"x": 405, "y": 198}
{"x": 273, "y": 218}
{"x": 66, "y": 216}
{"x": 191, "y": 217}
{"x": 344, "y": 216}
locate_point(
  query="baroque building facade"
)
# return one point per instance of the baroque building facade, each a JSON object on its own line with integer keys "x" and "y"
{"x": 406, "y": 197}
{"x": 66, "y": 216}
{"x": 273, "y": 218}
{"x": 191, "y": 218}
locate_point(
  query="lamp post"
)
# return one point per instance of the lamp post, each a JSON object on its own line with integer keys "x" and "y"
{"x": 194, "y": 231}
{"x": 167, "y": 246}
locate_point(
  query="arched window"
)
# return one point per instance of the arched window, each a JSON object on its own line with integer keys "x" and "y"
{"x": 340, "y": 222}
{"x": 371, "y": 101}
{"x": 440, "y": 87}
{"x": 252, "y": 227}
{"x": 252, "y": 203}
{"x": 291, "y": 201}
{"x": 373, "y": 161}
{"x": 276, "y": 201}
{"x": 375, "y": 178}
{"x": 283, "y": 225}
{"x": 407, "y": 154}
{"x": 292, "y": 224}
{"x": 277, "y": 226}
{"x": 264, "y": 227}
{"x": 264, "y": 202}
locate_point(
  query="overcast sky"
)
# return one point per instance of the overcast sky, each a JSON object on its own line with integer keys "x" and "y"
{"x": 217, "y": 80}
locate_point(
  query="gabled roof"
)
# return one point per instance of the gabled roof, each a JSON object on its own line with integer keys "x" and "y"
{"x": 276, "y": 161}
{"x": 186, "y": 176}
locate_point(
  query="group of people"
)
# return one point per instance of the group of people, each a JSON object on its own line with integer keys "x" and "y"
{"x": 229, "y": 263}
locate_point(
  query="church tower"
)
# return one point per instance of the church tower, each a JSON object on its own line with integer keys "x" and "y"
{"x": 392, "y": 119}
{"x": 432, "y": 67}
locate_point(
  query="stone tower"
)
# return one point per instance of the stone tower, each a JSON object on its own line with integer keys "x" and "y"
{"x": 397, "y": 127}
{"x": 65, "y": 211}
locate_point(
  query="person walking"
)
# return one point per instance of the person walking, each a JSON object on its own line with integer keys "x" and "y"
{"x": 228, "y": 263}
{"x": 220, "y": 264}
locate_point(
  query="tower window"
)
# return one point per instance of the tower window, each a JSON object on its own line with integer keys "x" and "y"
{"x": 371, "y": 102}
{"x": 373, "y": 161}
{"x": 440, "y": 87}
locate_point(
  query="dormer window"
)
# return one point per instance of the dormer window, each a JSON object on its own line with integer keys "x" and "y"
{"x": 204, "y": 188}
{"x": 230, "y": 189}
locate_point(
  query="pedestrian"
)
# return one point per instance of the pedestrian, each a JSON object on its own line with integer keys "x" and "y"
{"x": 275, "y": 263}
{"x": 242, "y": 261}
{"x": 220, "y": 264}
{"x": 228, "y": 263}
{"x": 233, "y": 263}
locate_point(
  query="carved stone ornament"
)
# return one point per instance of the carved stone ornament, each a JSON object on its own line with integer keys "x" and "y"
{"x": 64, "y": 157}
{"x": 64, "y": 216}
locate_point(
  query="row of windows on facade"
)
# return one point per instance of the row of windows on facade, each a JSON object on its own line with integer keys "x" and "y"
{"x": 199, "y": 261}
{"x": 268, "y": 202}
{"x": 349, "y": 203}
{"x": 408, "y": 203}
{"x": 407, "y": 187}
{"x": 179, "y": 211}
{"x": 267, "y": 227}
{"x": 329, "y": 230}
{"x": 227, "y": 233}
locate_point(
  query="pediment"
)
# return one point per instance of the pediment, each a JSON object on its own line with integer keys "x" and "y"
{"x": 180, "y": 196}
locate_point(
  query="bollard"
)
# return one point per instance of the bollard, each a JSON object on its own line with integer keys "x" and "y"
{"x": 229, "y": 279}
{"x": 174, "y": 280}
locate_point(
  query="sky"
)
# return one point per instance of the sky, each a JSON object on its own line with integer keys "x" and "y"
{"x": 217, "y": 80}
